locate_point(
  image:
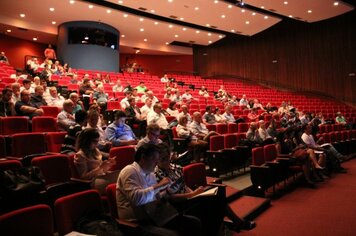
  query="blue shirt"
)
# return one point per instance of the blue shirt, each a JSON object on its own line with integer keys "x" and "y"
{"x": 115, "y": 134}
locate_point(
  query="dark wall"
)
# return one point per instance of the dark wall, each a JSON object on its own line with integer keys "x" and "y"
{"x": 86, "y": 56}
{"x": 313, "y": 57}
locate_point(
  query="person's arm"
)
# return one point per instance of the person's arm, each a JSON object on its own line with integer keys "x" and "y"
{"x": 31, "y": 110}
{"x": 81, "y": 165}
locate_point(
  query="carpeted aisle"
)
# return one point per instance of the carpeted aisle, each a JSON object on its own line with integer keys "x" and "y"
{"x": 330, "y": 209}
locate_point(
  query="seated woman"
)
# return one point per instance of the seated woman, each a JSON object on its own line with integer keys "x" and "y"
{"x": 91, "y": 164}
{"x": 172, "y": 109}
{"x": 304, "y": 157}
{"x": 220, "y": 118}
{"x": 198, "y": 146}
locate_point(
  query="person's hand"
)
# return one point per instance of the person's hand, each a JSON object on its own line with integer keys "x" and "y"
{"x": 132, "y": 142}
{"x": 199, "y": 190}
{"x": 106, "y": 165}
{"x": 39, "y": 111}
{"x": 165, "y": 182}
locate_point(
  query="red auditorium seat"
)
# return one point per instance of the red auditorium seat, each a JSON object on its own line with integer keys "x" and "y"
{"x": 243, "y": 127}
{"x": 14, "y": 124}
{"x": 55, "y": 141}
{"x": 232, "y": 128}
{"x": 52, "y": 111}
{"x": 10, "y": 164}
{"x": 44, "y": 124}
{"x": 24, "y": 144}
{"x": 34, "y": 220}
{"x": 221, "y": 128}
{"x": 124, "y": 156}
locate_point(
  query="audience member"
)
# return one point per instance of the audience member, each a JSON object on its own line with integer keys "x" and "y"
{"x": 25, "y": 107}
{"x": 133, "y": 115}
{"x": 68, "y": 147}
{"x": 198, "y": 128}
{"x": 54, "y": 99}
{"x": 37, "y": 98}
{"x": 65, "y": 118}
{"x": 7, "y": 107}
{"x": 141, "y": 88}
{"x": 172, "y": 109}
{"x": 153, "y": 133}
{"x": 78, "y": 105}
{"x": 118, "y": 87}
{"x": 49, "y": 53}
{"x": 209, "y": 117}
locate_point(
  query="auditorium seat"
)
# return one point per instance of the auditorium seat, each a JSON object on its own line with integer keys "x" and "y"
{"x": 123, "y": 155}
{"x": 55, "y": 141}
{"x": 14, "y": 124}
{"x": 44, "y": 124}
{"x": 52, "y": 111}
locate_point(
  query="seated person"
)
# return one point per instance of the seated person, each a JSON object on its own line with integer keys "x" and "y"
{"x": 199, "y": 146}
{"x": 37, "y": 98}
{"x": 185, "y": 112}
{"x": 118, "y": 87}
{"x": 172, "y": 109}
{"x": 100, "y": 97}
{"x": 187, "y": 96}
{"x": 7, "y": 107}
{"x": 93, "y": 122}
{"x": 68, "y": 147}
{"x": 66, "y": 118}
{"x": 25, "y": 107}
{"x": 209, "y": 117}
{"x": 253, "y": 115}
{"x": 147, "y": 108}
{"x": 218, "y": 116}
{"x": 340, "y": 119}
{"x": 133, "y": 115}
{"x": 253, "y": 135}
{"x": 204, "y": 92}
{"x": 54, "y": 99}
{"x": 137, "y": 186}
{"x": 90, "y": 162}
{"x": 141, "y": 88}
{"x": 152, "y": 136}
{"x": 156, "y": 117}
{"x": 262, "y": 131}
{"x": 198, "y": 128}
{"x": 229, "y": 117}
{"x": 119, "y": 133}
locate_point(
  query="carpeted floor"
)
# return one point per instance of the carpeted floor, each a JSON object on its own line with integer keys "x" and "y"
{"x": 330, "y": 209}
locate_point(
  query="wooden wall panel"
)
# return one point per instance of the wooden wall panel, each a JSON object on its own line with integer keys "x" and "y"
{"x": 311, "y": 57}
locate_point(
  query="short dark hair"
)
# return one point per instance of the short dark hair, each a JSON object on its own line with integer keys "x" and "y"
{"x": 119, "y": 114}
{"x": 146, "y": 150}
{"x": 80, "y": 116}
{"x": 6, "y": 90}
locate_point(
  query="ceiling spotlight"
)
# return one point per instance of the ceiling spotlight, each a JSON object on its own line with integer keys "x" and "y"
{"x": 108, "y": 11}
{"x": 309, "y": 11}
{"x": 184, "y": 29}
{"x": 145, "y": 40}
{"x": 220, "y": 36}
{"x": 90, "y": 6}
{"x": 9, "y": 30}
{"x": 141, "y": 19}
{"x": 125, "y": 15}
{"x": 196, "y": 8}
{"x": 170, "y": 26}
{"x": 152, "y": 11}
{"x": 22, "y": 15}
{"x": 156, "y": 23}
{"x": 209, "y": 34}
{"x": 285, "y": 2}
{"x": 336, "y": 3}
{"x": 122, "y": 36}
{"x": 71, "y": 1}
{"x": 216, "y": 1}
{"x": 51, "y": 9}
{"x": 86, "y": 37}
{"x": 210, "y": 42}
{"x": 167, "y": 43}
{"x": 35, "y": 39}
{"x": 142, "y": 29}
{"x": 53, "y": 22}
{"x": 176, "y": 36}
{"x": 240, "y": 3}
{"x": 197, "y": 31}
{"x": 230, "y": 6}
{"x": 253, "y": 13}
{"x": 247, "y": 22}
{"x": 266, "y": 17}
{"x": 223, "y": 16}
{"x": 181, "y": 18}
{"x": 120, "y": 2}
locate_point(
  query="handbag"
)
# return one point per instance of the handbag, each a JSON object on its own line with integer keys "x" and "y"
{"x": 20, "y": 182}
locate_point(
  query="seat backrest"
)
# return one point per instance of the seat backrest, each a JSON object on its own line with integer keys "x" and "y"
{"x": 111, "y": 195}
{"x": 194, "y": 175}
{"x": 44, "y": 124}
{"x": 14, "y": 124}
{"x": 123, "y": 155}
{"x": 230, "y": 140}
{"x": 258, "y": 156}
{"x": 55, "y": 168}
{"x": 270, "y": 152}
{"x": 55, "y": 141}
{"x": 28, "y": 143}
{"x": 243, "y": 127}
{"x": 2, "y": 147}
{"x": 216, "y": 142}
{"x": 51, "y": 111}
{"x": 211, "y": 127}
{"x": 221, "y": 128}
{"x": 34, "y": 220}
{"x": 10, "y": 164}
{"x": 232, "y": 128}
{"x": 69, "y": 209}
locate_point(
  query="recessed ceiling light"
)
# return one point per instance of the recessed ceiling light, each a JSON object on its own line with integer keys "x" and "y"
{"x": 230, "y": 6}
{"x": 285, "y": 2}
{"x": 309, "y": 11}
{"x": 125, "y": 15}
{"x": 152, "y": 11}
{"x": 266, "y": 17}
{"x": 181, "y": 18}
{"x": 233, "y": 30}
{"x": 156, "y": 23}
{"x": 167, "y": 43}
{"x": 216, "y": 1}
{"x": 145, "y": 40}
{"x": 243, "y": 10}
{"x": 196, "y": 8}
{"x": 207, "y": 25}
{"x": 184, "y": 29}
{"x": 223, "y": 16}
{"x": 122, "y": 36}
{"x": 9, "y": 30}
{"x": 142, "y": 29}
{"x": 71, "y": 1}
{"x": 170, "y": 0}
{"x": 262, "y": 7}
{"x": 170, "y": 26}
{"x": 210, "y": 42}
{"x": 336, "y": 3}
{"x": 51, "y": 9}
{"x": 220, "y": 36}
{"x": 34, "y": 39}
{"x": 22, "y": 15}
{"x": 108, "y": 11}
{"x": 247, "y": 22}
{"x": 197, "y": 31}
{"x": 53, "y": 22}
{"x": 253, "y": 13}
{"x": 176, "y": 36}
{"x": 120, "y": 2}
{"x": 141, "y": 19}
{"x": 290, "y": 16}
{"x": 90, "y": 6}
{"x": 209, "y": 34}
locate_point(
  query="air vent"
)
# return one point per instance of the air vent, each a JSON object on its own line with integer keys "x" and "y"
{"x": 174, "y": 17}
{"x": 23, "y": 29}
{"x": 213, "y": 26}
{"x": 142, "y": 9}
{"x": 272, "y": 10}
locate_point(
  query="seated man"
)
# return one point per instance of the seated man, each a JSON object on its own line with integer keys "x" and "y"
{"x": 156, "y": 117}
{"x": 137, "y": 186}
{"x": 25, "y": 107}
{"x": 65, "y": 118}
{"x": 133, "y": 114}
{"x": 119, "y": 133}
{"x": 152, "y": 136}
{"x": 198, "y": 128}
{"x": 54, "y": 99}
{"x": 7, "y": 107}
{"x": 209, "y": 117}
{"x": 37, "y": 97}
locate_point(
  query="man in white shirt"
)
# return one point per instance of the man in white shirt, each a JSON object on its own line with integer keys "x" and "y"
{"x": 65, "y": 118}
{"x": 137, "y": 186}
{"x": 199, "y": 129}
{"x": 125, "y": 101}
{"x": 185, "y": 112}
{"x": 147, "y": 108}
{"x": 156, "y": 117}
{"x": 187, "y": 96}
{"x": 54, "y": 99}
